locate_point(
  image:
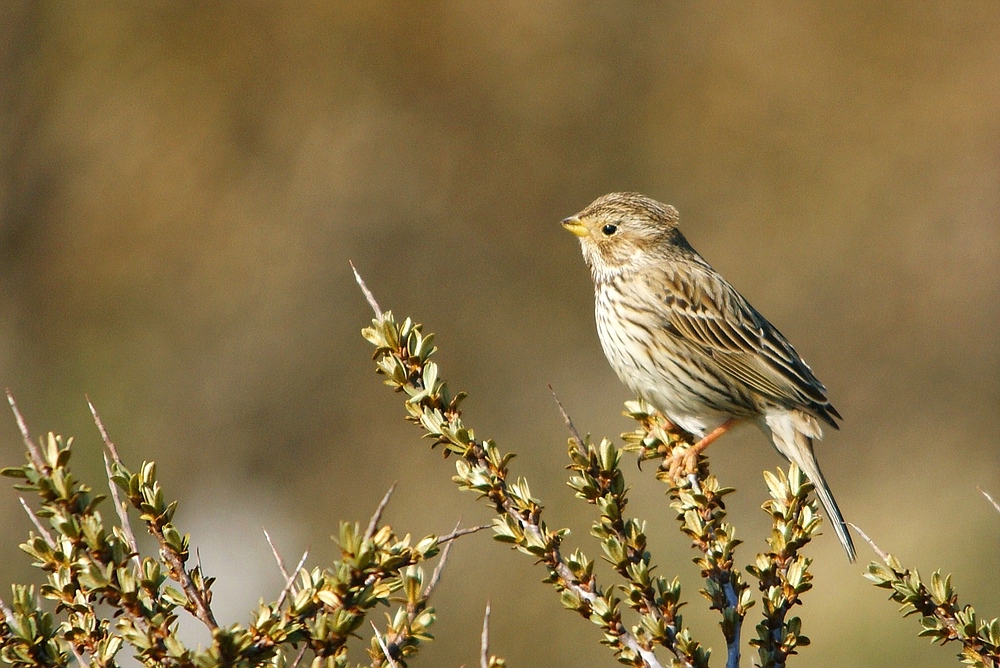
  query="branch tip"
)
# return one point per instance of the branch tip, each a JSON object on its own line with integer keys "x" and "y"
{"x": 104, "y": 432}
{"x": 484, "y": 651}
{"x": 33, "y": 451}
{"x": 458, "y": 533}
{"x": 277, "y": 557}
{"x": 368, "y": 293}
{"x": 38, "y": 523}
{"x": 989, "y": 498}
{"x": 377, "y": 516}
{"x": 565, "y": 416}
{"x": 882, "y": 555}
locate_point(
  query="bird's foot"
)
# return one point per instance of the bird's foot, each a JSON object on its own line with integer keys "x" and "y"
{"x": 682, "y": 463}
{"x": 685, "y": 462}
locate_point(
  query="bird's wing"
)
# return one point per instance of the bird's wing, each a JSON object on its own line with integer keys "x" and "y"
{"x": 712, "y": 317}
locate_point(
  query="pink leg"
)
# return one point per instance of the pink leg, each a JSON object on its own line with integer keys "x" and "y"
{"x": 687, "y": 462}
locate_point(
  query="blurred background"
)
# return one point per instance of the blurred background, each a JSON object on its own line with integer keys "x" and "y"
{"x": 183, "y": 184}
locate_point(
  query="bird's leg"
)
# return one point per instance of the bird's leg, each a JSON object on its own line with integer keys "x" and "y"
{"x": 687, "y": 461}
{"x": 710, "y": 438}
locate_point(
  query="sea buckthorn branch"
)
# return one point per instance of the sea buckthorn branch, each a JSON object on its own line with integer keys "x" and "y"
{"x": 698, "y": 500}
{"x": 410, "y": 624}
{"x": 942, "y": 618}
{"x": 88, "y": 563}
{"x": 782, "y": 572}
{"x": 402, "y": 355}
{"x": 599, "y": 480}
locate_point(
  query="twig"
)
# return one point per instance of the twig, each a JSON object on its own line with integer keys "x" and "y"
{"x": 484, "y": 651}
{"x": 298, "y": 657}
{"x": 121, "y": 508}
{"x": 989, "y": 498}
{"x": 458, "y": 533}
{"x": 698, "y": 499}
{"x": 439, "y": 568}
{"x": 291, "y": 579}
{"x": 377, "y": 516}
{"x": 554, "y": 560}
{"x": 38, "y": 524}
{"x": 176, "y": 566}
{"x": 104, "y": 433}
{"x": 565, "y": 417}
{"x": 881, "y": 555}
{"x": 368, "y": 293}
{"x": 277, "y": 557}
{"x": 381, "y": 643}
{"x": 178, "y": 572}
{"x": 601, "y": 483}
{"x": 33, "y": 451}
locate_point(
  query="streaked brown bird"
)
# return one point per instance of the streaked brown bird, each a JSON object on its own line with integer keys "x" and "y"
{"x": 682, "y": 338}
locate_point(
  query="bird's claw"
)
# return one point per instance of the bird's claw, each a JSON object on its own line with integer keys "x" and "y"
{"x": 681, "y": 464}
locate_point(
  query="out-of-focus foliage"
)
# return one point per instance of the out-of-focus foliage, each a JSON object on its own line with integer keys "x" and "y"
{"x": 108, "y": 596}
{"x": 182, "y": 184}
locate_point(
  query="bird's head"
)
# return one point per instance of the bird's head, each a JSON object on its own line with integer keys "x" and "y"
{"x": 621, "y": 232}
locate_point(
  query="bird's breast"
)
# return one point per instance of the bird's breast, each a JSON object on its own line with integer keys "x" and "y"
{"x": 657, "y": 365}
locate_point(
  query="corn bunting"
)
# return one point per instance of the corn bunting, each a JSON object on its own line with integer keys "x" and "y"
{"x": 682, "y": 338}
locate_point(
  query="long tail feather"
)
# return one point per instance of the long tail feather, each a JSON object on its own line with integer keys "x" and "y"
{"x": 786, "y": 430}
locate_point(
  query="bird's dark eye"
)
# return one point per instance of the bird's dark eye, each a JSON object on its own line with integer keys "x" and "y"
{"x": 609, "y": 229}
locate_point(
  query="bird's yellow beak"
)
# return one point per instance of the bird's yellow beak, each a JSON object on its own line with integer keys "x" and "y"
{"x": 574, "y": 225}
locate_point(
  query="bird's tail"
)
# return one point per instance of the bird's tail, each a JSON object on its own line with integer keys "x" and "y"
{"x": 792, "y": 433}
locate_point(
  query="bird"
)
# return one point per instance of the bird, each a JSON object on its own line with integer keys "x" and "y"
{"x": 682, "y": 338}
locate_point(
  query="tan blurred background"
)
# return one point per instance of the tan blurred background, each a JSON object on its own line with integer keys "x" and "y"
{"x": 184, "y": 183}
